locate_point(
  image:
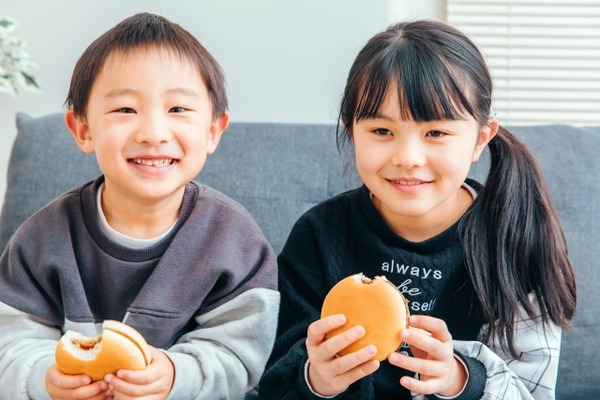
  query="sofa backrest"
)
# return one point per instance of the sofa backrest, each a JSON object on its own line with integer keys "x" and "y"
{"x": 278, "y": 171}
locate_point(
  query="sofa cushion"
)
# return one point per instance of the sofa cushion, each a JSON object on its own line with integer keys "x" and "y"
{"x": 44, "y": 163}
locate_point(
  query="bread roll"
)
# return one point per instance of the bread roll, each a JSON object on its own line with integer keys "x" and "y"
{"x": 376, "y": 304}
{"x": 118, "y": 347}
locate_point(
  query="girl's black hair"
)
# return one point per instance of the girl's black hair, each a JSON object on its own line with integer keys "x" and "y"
{"x": 145, "y": 30}
{"x": 515, "y": 249}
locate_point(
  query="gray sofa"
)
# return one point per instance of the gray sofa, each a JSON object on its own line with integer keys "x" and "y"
{"x": 278, "y": 171}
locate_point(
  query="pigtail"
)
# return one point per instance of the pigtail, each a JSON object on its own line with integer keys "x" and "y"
{"x": 515, "y": 245}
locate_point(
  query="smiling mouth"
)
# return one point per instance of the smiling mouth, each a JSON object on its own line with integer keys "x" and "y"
{"x": 164, "y": 162}
{"x": 407, "y": 183}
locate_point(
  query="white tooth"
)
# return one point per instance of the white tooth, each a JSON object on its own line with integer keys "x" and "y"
{"x": 153, "y": 163}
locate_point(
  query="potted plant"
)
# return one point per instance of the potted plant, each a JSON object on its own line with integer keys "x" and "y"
{"x": 16, "y": 68}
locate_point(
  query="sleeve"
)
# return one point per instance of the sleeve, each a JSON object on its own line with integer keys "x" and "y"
{"x": 302, "y": 286}
{"x": 26, "y": 351}
{"x": 27, "y": 341}
{"x": 226, "y": 355}
{"x": 532, "y": 376}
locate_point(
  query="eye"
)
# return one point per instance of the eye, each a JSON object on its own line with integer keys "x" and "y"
{"x": 126, "y": 110}
{"x": 436, "y": 134}
{"x": 177, "y": 109}
{"x": 382, "y": 132}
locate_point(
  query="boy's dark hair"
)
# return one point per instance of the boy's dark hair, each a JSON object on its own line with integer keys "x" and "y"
{"x": 145, "y": 30}
{"x": 513, "y": 241}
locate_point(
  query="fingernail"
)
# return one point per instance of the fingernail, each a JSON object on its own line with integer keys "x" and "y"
{"x": 358, "y": 330}
{"x": 414, "y": 319}
{"x": 405, "y": 334}
{"x": 371, "y": 349}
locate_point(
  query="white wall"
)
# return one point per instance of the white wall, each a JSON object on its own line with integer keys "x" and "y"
{"x": 284, "y": 61}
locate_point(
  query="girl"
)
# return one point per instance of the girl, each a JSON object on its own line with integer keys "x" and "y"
{"x": 484, "y": 268}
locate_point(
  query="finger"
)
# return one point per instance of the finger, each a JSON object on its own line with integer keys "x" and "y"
{"x": 318, "y": 329}
{"x": 72, "y": 382}
{"x": 142, "y": 377}
{"x": 348, "y": 362}
{"x": 157, "y": 368}
{"x": 426, "y": 367}
{"x": 418, "y": 386}
{"x": 63, "y": 381}
{"x": 343, "y": 371}
{"x": 123, "y": 389}
{"x": 437, "y": 327}
{"x": 358, "y": 372}
{"x": 103, "y": 395}
{"x": 93, "y": 391}
{"x": 428, "y": 344}
{"x": 344, "y": 339}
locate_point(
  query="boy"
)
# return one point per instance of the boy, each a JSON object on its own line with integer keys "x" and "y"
{"x": 182, "y": 263}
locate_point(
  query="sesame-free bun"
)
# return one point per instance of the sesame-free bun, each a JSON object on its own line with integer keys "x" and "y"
{"x": 376, "y": 304}
{"x": 118, "y": 347}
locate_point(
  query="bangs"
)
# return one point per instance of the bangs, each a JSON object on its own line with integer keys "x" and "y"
{"x": 428, "y": 89}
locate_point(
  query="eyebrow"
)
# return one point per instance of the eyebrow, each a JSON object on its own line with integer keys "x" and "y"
{"x": 125, "y": 91}
{"x": 183, "y": 91}
{"x": 379, "y": 115}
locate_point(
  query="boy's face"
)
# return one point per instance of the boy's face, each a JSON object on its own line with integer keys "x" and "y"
{"x": 149, "y": 122}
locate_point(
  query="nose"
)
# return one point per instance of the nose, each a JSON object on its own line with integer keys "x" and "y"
{"x": 409, "y": 152}
{"x": 153, "y": 129}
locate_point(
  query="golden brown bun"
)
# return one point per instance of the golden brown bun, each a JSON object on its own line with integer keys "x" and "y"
{"x": 375, "y": 304}
{"x": 118, "y": 347}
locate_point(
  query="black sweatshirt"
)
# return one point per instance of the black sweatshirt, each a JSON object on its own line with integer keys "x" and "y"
{"x": 346, "y": 235}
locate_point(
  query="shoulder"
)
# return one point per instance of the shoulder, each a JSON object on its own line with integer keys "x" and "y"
{"x": 55, "y": 216}
{"x": 215, "y": 201}
{"x": 327, "y": 226}
{"x": 222, "y": 216}
{"x": 343, "y": 203}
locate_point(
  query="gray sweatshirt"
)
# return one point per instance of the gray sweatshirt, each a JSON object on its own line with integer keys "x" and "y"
{"x": 205, "y": 293}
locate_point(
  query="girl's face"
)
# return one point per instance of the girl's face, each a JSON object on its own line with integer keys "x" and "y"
{"x": 415, "y": 170}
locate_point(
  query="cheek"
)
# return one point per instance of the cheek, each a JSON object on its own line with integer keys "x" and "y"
{"x": 455, "y": 164}
{"x": 365, "y": 164}
{"x": 106, "y": 154}
{"x": 368, "y": 156}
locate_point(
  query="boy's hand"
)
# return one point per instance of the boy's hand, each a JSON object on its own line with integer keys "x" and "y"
{"x": 433, "y": 358}
{"x": 328, "y": 374}
{"x": 153, "y": 382}
{"x": 79, "y": 387}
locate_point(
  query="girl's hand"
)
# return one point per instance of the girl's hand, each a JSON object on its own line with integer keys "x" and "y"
{"x": 79, "y": 387}
{"x": 329, "y": 374}
{"x": 152, "y": 383}
{"x": 433, "y": 358}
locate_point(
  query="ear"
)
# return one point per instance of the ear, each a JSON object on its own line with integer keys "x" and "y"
{"x": 485, "y": 135}
{"x": 80, "y": 130}
{"x": 217, "y": 127}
